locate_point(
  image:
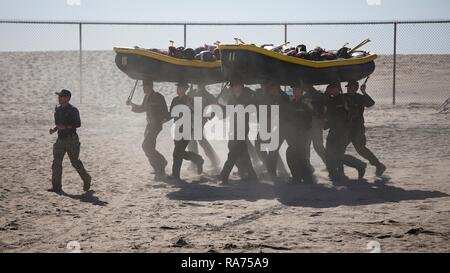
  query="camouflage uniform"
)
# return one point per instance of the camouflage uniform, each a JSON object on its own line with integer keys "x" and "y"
{"x": 272, "y": 159}
{"x": 179, "y": 152}
{"x": 357, "y": 104}
{"x": 300, "y": 119}
{"x": 315, "y": 134}
{"x": 69, "y": 143}
{"x": 154, "y": 105}
{"x": 339, "y": 123}
{"x": 238, "y": 151}
{"x": 207, "y": 99}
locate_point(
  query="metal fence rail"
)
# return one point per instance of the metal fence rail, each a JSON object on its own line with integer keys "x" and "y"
{"x": 285, "y": 25}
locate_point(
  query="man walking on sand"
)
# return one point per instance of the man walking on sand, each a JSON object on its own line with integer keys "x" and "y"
{"x": 315, "y": 134}
{"x": 299, "y": 123}
{"x": 154, "y": 105}
{"x": 338, "y": 121}
{"x": 207, "y": 99}
{"x": 179, "y": 152}
{"x": 358, "y": 102}
{"x": 238, "y": 152}
{"x": 67, "y": 119}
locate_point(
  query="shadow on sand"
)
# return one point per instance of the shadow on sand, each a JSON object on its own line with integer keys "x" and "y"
{"x": 87, "y": 197}
{"x": 349, "y": 193}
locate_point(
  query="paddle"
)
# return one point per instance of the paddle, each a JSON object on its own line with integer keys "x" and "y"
{"x": 238, "y": 40}
{"x": 130, "y": 97}
{"x": 359, "y": 45}
{"x": 277, "y": 48}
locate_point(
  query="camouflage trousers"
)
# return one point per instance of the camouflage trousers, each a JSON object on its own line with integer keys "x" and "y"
{"x": 358, "y": 139}
{"x": 315, "y": 135}
{"x": 155, "y": 158}
{"x": 336, "y": 158}
{"x": 238, "y": 156}
{"x": 71, "y": 146}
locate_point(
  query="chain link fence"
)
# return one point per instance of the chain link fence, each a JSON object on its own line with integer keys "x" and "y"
{"x": 413, "y": 64}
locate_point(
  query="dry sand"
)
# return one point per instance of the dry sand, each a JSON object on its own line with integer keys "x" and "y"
{"x": 406, "y": 211}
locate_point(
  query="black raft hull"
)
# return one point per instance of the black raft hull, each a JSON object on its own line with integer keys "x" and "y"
{"x": 140, "y": 64}
{"x": 254, "y": 65}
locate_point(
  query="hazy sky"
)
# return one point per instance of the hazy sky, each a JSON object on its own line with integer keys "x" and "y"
{"x": 200, "y": 10}
{"x": 44, "y": 37}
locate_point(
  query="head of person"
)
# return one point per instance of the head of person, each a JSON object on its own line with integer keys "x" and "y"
{"x": 307, "y": 87}
{"x": 148, "y": 86}
{"x": 297, "y": 92}
{"x": 201, "y": 87}
{"x": 237, "y": 88}
{"x": 352, "y": 87}
{"x": 271, "y": 87}
{"x": 333, "y": 90}
{"x": 64, "y": 96}
{"x": 182, "y": 87}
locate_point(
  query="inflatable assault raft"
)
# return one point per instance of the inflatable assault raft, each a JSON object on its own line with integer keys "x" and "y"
{"x": 140, "y": 64}
{"x": 253, "y": 65}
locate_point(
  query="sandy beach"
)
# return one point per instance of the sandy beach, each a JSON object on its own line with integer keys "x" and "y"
{"x": 408, "y": 210}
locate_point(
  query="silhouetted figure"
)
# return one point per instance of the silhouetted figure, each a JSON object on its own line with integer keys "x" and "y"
{"x": 270, "y": 95}
{"x": 207, "y": 99}
{"x": 338, "y": 120}
{"x": 155, "y": 107}
{"x": 179, "y": 152}
{"x": 357, "y": 104}
{"x": 238, "y": 152}
{"x": 300, "y": 122}
{"x": 315, "y": 134}
{"x": 67, "y": 120}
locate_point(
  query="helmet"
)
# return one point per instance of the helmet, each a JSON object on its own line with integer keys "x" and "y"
{"x": 289, "y": 49}
{"x": 205, "y": 56}
{"x": 319, "y": 49}
{"x": 199, "y": 49}
{"x": 210, "y": 47}
{"x": 188, "y": 54}
{"x": 315, "y": 56}
{"x": 291, "y": 53}
{"x": 302, "y": 55}
{"x": 301, "y": 48}
{"x": 328, "y": 56}
{"x": 343, "y": 53}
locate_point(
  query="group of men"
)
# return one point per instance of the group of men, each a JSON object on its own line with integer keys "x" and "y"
{"x": 302, "y": 121}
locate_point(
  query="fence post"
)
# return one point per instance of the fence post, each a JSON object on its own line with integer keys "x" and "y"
{"x": 81, "y": 61}
{"x": 395, "y": 64}
{"x": 285, "y": 33}
{"x": 285, "y": 41}
{"x": 184, "y": 35}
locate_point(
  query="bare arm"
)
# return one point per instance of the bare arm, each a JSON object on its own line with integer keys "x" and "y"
{"x": 165, "y": 114}
{"x": 139, "y": 108}
{"x": 368, "y": 101}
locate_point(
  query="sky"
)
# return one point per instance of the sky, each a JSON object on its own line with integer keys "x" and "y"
{"x": 63, "y": 37}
